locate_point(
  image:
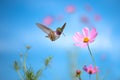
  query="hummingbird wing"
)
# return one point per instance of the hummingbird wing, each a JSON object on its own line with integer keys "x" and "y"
{"x": 44, "y": 28}
{"x": 62, "y": 28}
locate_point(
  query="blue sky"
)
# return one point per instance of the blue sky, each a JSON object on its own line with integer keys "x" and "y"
{"x": 18, "y": 29}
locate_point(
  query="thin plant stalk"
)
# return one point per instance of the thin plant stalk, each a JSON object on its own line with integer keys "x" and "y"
{"x": 92, "y": 60}
{"x": 80, "y": 78}
{"x": 24, "y": 63}
{"x": 89, "y": 76}
{"x": 20, "y": 75}
{"x": 91, "y": 54}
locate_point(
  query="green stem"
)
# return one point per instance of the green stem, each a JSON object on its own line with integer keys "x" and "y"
{"x": 89, "y": 76}
{"x": 20, "y": 75}
{"x": 92, "y": 59}
{"x": 24, "y": 63}
{"x": 91, "y": 54}
{"x": 80, "y": 78}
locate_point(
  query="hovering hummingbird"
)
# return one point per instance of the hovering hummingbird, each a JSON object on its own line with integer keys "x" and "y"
{"x": 52, "y": 35}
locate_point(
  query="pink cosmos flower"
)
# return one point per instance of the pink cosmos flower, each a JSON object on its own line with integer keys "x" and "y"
{"x": 97, "y": 17}
{"x": 90, "y": 69}
{"x": 84, "y": 19}
{"x": 59, "y": 17}
{"x": 86, "y": 37}
{"x": 70, "y": 8}
{"x": 88, "y": 7}
{"x": 48, "y": 20}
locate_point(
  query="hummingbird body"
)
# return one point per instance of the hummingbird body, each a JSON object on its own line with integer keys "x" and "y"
{"x": 52, "y": 35}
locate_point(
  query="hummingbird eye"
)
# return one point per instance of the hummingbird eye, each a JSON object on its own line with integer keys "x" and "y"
{"x": 58, "y": 29}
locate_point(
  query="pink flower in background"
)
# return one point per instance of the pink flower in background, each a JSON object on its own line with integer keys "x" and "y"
{"x": 84, "y": 19}
{"x": 48, "y": 20}
{"x": 70, "y": 9}
{"x": 59, "y": 17}
{"x": 97, "y": 17}
{"x": 86, "y": 37}
{"x": 88, "y": 7}
{"x": 90, "y": 69}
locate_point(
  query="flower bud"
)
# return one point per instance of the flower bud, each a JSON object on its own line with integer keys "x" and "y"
{"x": 78, "y": 72}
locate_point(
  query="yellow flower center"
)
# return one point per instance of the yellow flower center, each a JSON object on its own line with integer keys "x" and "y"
{"x": 86, "y": 40}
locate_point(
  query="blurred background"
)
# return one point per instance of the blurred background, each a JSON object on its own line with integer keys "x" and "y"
{"x": 18, "y": 29}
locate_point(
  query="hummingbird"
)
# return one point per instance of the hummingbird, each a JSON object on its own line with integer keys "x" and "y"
{"x": 52, "y": 35}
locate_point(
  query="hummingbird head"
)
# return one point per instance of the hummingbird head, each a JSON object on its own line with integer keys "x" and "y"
{"x": 58, "y": 31}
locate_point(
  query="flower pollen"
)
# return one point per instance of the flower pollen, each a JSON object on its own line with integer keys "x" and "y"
{"x": 86, "y": 40}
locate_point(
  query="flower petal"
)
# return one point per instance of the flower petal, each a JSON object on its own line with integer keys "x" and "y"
{"x": 77, "y": 44}
{"x": 90, "y": 66}
{"x": 91, "y": 40}
{"x": 93, "y": 33}
{"x": 85, "y": 68}
{"x": 82, "y": 45}
{"x": 79, "y": 36}
{"x": 85, "y": 32}
{"x": 75, "y": 39}
{"x": 96, "y": 69}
